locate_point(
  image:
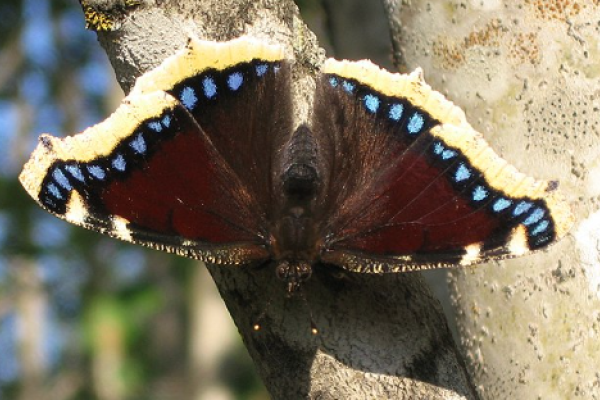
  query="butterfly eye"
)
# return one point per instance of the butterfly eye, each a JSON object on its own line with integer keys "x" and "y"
{"x": 303, "y": 272}
{"x": 283, "y": 271}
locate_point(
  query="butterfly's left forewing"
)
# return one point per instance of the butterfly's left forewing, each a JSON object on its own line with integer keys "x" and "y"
{"x": 412, "y": 185}
{"x": 185, "y": 162}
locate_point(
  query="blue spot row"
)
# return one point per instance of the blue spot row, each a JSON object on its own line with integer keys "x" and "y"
{"x": 119, "y": 163}
{"x": 536, "y": 215}
{"x": 60, "y": 183}
{"x": 189, "y": 95}
{"x": 371, "y": 103}
{"x": 209, "y": 86}
{"x": 346, "y": 85}
{"x": 534, "y": 221}
{"x": 138, "y": 144}
{"x": 541, "y": 227}
{"x": 235, "y": 80}
{"x": 54, "y": 191}
{"x": 501, "y": 204}
{"x": 522, "y": 207}
{"x": 462, "y": 173}
{"x": 157, "y": 126}
{"x": 97, "y": 172}
{"x": 442, "y": 151}
{"x": 261, "y": 69}
{"x": 537, "y": 224}
{"x": 61, "y": 179}
{"x": 415, "y": 123}
{"x": 480, "y": 193}
{"x": 395, "y": 112}
{"x": 75, "y": 172}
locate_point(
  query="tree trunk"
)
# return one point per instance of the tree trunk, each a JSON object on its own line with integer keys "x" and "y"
{"x": 526, "y": 73}
{"x": 379, "y": 336}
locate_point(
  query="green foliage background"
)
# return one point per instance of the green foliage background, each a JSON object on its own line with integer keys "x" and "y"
{"x": 83, "y": 316}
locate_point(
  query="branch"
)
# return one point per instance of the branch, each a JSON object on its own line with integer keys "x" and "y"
{"x": 521, "y": 71}
{"x": 380, "y": 336}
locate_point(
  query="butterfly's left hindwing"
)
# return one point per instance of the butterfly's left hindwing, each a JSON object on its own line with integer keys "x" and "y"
{"x": 412, "y": 184}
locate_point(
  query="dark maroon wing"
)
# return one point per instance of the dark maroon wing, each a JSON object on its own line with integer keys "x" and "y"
{"x": 410, "y": 185}
{"x": 185, "y": 164}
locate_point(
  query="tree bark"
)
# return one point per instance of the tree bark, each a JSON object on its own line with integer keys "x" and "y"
{"x": 526, "y": 73}
{"x": 379, "y": 336}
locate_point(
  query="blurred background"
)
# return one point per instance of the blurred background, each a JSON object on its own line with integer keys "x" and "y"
{"x": 83, "y": 316}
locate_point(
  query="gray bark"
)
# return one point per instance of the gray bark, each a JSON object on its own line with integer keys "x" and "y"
{"x": 526, "y": 73}
{"x": 380, "y": 336}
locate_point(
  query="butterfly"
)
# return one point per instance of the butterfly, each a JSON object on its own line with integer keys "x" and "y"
{"x": 207, "y": 158}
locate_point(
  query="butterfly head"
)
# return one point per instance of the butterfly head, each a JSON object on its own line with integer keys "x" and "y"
{"x": 293, "y": 274}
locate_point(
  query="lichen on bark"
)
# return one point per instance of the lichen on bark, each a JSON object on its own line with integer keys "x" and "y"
{"x": 526, "y": 74}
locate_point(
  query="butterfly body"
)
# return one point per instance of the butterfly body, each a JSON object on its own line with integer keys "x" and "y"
{"x": 294, "y": 242}
{"x": 204, "y": 159}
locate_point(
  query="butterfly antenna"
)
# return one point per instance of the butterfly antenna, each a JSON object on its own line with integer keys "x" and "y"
{"x": 313, "y": 326}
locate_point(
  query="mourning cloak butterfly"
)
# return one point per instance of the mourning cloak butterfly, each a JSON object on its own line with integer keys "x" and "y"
{"x": 203, "y": 159}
